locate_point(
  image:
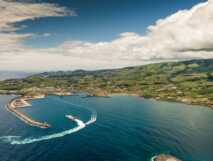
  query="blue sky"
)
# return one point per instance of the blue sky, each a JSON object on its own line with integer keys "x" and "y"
{"x": 101, "y": 20}
{"x": 37, "y": 35}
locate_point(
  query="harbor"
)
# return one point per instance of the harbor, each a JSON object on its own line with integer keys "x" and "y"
{"x": 22, "y": 102}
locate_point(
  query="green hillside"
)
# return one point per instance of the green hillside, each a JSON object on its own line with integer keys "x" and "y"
{"x": 189, "y": 81}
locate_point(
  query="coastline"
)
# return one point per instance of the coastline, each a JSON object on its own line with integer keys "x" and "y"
{"x": 183, "y": 101}
{"x": 106, "y": 95}
{"x": 21, "y": 102}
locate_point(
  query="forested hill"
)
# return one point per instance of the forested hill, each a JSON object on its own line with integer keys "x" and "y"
{"x": 188, "y": 81}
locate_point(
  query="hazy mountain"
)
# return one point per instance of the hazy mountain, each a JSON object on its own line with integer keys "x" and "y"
{"x": 13, "y": 74}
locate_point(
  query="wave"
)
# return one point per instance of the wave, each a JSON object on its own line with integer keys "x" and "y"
{"x": 80, "y": 125}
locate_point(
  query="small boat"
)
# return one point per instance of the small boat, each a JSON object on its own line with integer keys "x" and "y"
{"x": 70, "y": 117}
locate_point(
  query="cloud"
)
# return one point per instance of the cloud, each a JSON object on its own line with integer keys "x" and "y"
{"x": 13, "y": 11}
{"x": 184, "y": 35}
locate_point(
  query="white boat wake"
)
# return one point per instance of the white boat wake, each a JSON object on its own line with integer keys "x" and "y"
{"x": 80, "y": 125}
{"x": 94, "y": 113}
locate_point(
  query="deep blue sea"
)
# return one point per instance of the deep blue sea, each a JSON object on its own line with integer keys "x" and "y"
{"x": 118, "y": 128}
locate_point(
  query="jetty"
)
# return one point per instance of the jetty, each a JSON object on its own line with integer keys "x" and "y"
{"x": 21, "y": 102}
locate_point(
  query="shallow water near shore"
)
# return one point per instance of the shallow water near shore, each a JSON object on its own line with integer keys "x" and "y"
{"x": 127, "y": 128}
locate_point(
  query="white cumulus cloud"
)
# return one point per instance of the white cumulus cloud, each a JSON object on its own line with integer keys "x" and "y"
{"x": 186, "y": 34}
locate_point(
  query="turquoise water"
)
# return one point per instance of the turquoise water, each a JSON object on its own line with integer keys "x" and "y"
{"x": 119, "y": 128}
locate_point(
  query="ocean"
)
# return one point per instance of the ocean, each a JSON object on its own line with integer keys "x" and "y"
{"x": 118, "y": 128}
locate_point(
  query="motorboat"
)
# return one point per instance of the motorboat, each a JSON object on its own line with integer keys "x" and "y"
{"x": 70, "y": 117}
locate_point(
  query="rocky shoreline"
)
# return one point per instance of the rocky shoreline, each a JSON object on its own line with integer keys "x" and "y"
{"x": 164, "y": 157}
{"x": 188, "y": 101}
